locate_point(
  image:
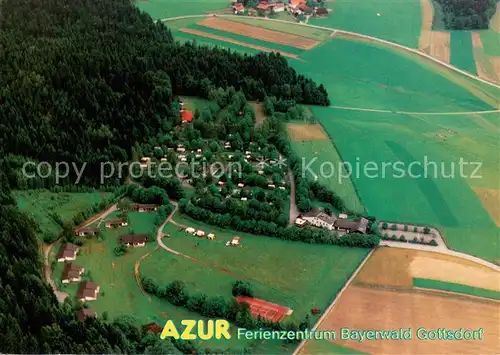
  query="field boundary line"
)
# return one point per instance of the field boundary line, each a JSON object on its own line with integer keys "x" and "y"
{"x": 457, "y": 113}
{"x": 334, "y": 302}
{"x": 435, "y": 291}
{"x": 355, "y": 34}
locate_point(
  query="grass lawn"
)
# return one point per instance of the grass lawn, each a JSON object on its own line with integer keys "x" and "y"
{"x": 322, "y": 155}
{"x": 160, "y": 9}
{"x": 453, "y": 287}
{"x": 292, "y": 28}
{"x": 120, "y": 294}
{"x": 448, "y": 203}
{"x": 297, "y": 275}
{"x": 39, "y": 204}
{"x": 461, "y": 53}
{"x": 399, "y": 21}
{"x": 321, "y": 347}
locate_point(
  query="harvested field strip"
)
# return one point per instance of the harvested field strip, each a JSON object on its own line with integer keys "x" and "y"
{"x": 484, "y": 64}
{"x": 393, "y": 310}
{"x": 244, "y": 39}
{"x": 259, "y": 33}
{"x": 440, "y": 46}
{"x": 426, "y": 27}
{"x": 453, "y": 287}
{"x": 461, "y": 51}
{"x": 495, "y": 20}
{"x": 306, "y": 132}
{"x": 490, "y": 199}
{"x": 223, "y": 39}
{"x": 291, "y": 28}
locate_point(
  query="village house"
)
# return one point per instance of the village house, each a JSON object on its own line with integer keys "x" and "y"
{"x": 139, "y": 207}
{"x": 238, "y": 8}
{"x": 163, "y": 160}
{"x": 320, "y": 219}
{"x": 357, "y": 226}
{"x": 304, "y": 9}
{"x": 134, "y": 240}
{"x": 86, "y": 231}
{"x": 186, "y": 116}
{"x": 263, "y": 6}
{"x": 321, "y": 11}
{"x": 67, "y": 252}
{"x": 293, "y": 4}
{"x": 72, "y": 273}
{"x": 145, "y": 160}
{"x": 211, "y": 236}
{"x": 299, "y": 222}
{"x": 342, "y": 216}
{"x": 181, "y": 149}
{"x": 153, "y": 328}
{"x": 116, "y": 222}
{"x": 85, "y": 313}
{"x": 190, "y": 230}
{"x": 279, "y": 7}
{"x": 87, "y": 291}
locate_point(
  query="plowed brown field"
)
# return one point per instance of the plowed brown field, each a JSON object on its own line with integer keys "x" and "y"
{"x": 230, "y": 40}
{"x": 366, "y": 308}
{"x": 259, "y": 33}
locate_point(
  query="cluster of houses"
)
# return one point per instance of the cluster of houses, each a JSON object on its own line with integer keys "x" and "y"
{"x": 200, "y": 233}
{"x": 87, "y": 291}
{"x": 296, "y": 7}
{"x": 320, "y": 219}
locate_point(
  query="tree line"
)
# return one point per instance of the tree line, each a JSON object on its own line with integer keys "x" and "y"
{"x": 235, "y": 312}
{"x": 467, "y": 14}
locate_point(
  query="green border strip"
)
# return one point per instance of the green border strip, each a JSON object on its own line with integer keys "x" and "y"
{"x": 454, "y": 287}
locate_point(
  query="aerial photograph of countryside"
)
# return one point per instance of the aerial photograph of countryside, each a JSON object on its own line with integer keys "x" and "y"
{"x": 250, "y": 177}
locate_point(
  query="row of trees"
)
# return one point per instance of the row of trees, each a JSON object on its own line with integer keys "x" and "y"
{"x": 467, "y": 14}
{"x": 293, "y": 233}
{"x": 217, "y": 306}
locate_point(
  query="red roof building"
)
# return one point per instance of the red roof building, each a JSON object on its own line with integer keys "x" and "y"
{"x": 186, "y": 116}
{"x": 263, "y": 6}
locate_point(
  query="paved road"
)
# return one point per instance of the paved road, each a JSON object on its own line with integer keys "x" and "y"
{"x": 48, "y": 247}
{"x": 408, "y": 49}
{"x": 294, "y": 211}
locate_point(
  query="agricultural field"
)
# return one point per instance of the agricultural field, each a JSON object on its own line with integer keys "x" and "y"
{"x": 391, "y": 80}
{"x": 387, "y": 279}
{"x": 488, "y": 67}
{"x": 321, "y": 156}
{"x": 398, "y": 22}
{"x": 462, "y": 55}
{"x": 40, "y": 204}
{"x": 161, "y": 9}
{"x": 449, "y": 203}
{"x": 294, "y": 277}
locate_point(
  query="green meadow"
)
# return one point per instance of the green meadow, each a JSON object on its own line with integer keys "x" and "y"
{"x": 461, "y": 53}
{"x": 367, "y": 138}
{"x": 399, "y": 21}
{"x": 161, "y": 9}
{"x": 40, "y": 204}
{"x": 120, "y": 294}
{"x": 297, "y": 275}
{"x": 320, "y": 155}
{"x": 454, "y": 287}
{"x": 366, "y": 75}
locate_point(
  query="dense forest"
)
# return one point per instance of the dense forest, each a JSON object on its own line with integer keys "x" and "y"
{"x": 81, "y": 81}
{"x": 467, "y": 14}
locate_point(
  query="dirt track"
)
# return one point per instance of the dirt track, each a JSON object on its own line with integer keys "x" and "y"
{"x": 259, "y": 33}
{"x": 230, "y": 40}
